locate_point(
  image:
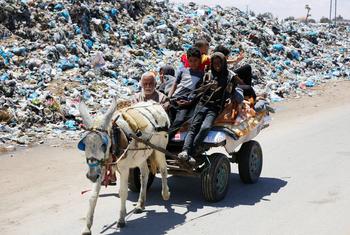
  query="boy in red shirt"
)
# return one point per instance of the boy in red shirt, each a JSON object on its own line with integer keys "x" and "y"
{"x": 203, "y": 46}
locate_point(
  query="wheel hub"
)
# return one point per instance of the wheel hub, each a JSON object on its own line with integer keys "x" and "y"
{"x": 221, "y": 179}
{"x": 254, "y": 162}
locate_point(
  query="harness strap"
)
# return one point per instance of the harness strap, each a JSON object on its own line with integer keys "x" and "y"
{"x": 96, "y": 130}
{"x": 166, "y": 152}
{"x": 159, "y": 129}
{"x": 109, "y": 175}
{"x": 155, "y": 125}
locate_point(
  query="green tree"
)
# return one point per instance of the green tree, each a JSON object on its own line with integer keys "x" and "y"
{"x": 290, "y": 18}
{"x": 325, "y": 20}
{"x": 267, "y": 15}
{"x": 340, "y": 18}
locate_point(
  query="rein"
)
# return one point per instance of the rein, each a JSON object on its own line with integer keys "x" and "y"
{"x": 125, "y": 151}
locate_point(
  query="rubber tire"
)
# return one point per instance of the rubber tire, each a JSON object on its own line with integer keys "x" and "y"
{"x": 134, "y": 182}
{"x": 209, "y": 185}
{"x": 245, "y": 154}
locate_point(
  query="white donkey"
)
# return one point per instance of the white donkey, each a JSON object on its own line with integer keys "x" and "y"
{"x": 97, "y": 146}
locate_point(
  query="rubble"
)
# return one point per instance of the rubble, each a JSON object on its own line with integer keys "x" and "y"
{"x": 52, "y": 54}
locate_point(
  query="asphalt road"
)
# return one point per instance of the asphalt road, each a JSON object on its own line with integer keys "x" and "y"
{"x": 304, "y": 188}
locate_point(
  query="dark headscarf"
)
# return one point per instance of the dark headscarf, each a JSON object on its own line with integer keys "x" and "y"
{"x": 224, "y": 70}
{"x": 168, "y": 70}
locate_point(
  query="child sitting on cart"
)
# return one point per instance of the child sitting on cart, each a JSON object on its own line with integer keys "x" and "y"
{"x": 183, "y": 95}
{"x": 210, "y": 104}
{"x": 244, "y": 73}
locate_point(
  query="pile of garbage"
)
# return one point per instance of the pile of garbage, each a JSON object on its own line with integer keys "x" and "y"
{"x": 55, "y": 53}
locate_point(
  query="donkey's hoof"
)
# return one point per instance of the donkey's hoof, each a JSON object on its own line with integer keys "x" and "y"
{"x": 121, "y": 224}
{"x": 138, "y": 210}
{"x": 166, "y": 196}
{"x": 86, "y": 232}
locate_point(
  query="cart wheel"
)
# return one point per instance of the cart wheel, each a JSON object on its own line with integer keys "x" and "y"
{"x": 250, "y": 161}
{"x": 135, "y": 180}
{"x": 215, "y": 178}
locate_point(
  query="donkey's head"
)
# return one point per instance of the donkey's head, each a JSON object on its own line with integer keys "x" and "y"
{"x": 96, "y": 142}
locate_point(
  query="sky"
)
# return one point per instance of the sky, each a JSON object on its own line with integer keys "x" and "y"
{"x": 283, "y": 8}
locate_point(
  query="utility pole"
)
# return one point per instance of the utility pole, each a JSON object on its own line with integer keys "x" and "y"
{"x": 335, "y": 16}
{"x": 330, "y": 12}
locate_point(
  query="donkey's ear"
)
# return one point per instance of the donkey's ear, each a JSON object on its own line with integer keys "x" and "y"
{"x": 84, "y": 113}
{"x": 108, "y": 116}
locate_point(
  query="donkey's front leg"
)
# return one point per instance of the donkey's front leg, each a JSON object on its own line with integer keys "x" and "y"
{"x": 160, "y": 158}
{"x": 92, "y": 204}
{"x": 123, "y": 194}
{"x": 144, "y": 180}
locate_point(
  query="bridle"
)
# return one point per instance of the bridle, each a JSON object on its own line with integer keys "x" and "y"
{"x": 92, "y": 161}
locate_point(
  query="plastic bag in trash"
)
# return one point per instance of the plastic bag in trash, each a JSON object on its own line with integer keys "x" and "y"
{"x": 278, "y": 47}
{"x": 71, "y": 125}
{"x": 65, "y": 64}
{"x": 97, "y": 60}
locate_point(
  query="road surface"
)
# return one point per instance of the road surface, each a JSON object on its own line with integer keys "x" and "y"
{"x": 304, "y": 187}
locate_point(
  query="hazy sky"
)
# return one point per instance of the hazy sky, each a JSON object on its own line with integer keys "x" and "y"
{"x": 283, "y": 8}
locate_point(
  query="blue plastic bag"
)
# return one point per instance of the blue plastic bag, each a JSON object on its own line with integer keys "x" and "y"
{"x": 89, "y": 43}
{"x": 65, "y": 64}
{"x": 309, "y": 83}
{"x": 70, "y": 124}
{"x": 58, "y": 7}
{"x": 114, "y": 12}
{"x": 313, "y": 34}
{"x": 4, "y": 77}
{"x": 295, "y": 54}
{"x": 65, "y": 14}
{"x": 6, "y": 55}
{"x": 186, "y": 46}
{"x": 20, "y": 51}
{"x": 33, "y": 96}
{"x": 107, "y": 27}
{"x": 278, "y": 47}
{"x": 77, "y": 29}
{"x": 287, "y": 63}
{"x": 86, "y": 95}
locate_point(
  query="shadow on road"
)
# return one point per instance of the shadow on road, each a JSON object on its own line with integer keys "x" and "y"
{"x": 186, "y": 196}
